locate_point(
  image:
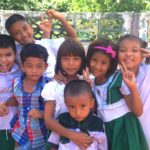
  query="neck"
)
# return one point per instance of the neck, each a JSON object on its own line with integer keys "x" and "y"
{"x": 72, "y": 77}
{"x": 100, "y": 80}
{"x": 29, "y": 84}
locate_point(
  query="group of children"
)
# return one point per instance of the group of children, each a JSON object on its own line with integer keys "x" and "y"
{"x": 46, "y": 85}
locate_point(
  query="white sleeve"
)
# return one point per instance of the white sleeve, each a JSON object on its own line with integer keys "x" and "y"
{"x": 102, "y": 141}
{"x": 54, "y": 138}
{"x": 49, "y": 92}
{"x": 124, "y": 89}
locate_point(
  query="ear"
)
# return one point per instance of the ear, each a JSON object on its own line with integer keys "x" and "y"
{"x": 46, "y": 65}
{"x": 92, "y": 103}
{"x": 21, "y": 66}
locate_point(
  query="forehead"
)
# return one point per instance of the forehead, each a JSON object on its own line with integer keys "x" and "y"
{"x": 33, "y": 60}
{"x": 16, "y": 25}
{"x": 100, "y": 55}
{"x": 6, "y": 50}
{"x": 130, "y": 42}
{"x": 83, "y": 97}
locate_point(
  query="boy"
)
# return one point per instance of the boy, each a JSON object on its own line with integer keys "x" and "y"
{"x": 79, "y": 101}
{"x": 18, "y": 27}
{"x": 8, "y": 71}
{"x": 29, "y": 131}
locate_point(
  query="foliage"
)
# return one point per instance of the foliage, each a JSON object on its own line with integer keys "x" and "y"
{"x": 77, "y": 5}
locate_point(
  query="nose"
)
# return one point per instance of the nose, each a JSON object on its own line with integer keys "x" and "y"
{"x": 70, "y": 61}
{"x": 34, "y": 69}
{"x": 128, "y": 53}
{"x": 2, "y": 59}
{"x": 78, "y": 111}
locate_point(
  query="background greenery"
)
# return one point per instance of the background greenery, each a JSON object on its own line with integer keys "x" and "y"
{"x": 77, "y": 5}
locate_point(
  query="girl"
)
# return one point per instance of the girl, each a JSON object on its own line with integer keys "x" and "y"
{"x": 132, "y": 54}
{"x": 122, "y": 127}
{"x": 70, "y": 62}
{"x": 8, "y": 71}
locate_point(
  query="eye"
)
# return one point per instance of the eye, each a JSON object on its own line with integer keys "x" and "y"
{"x": 122, "y": 50}
{"x": 76, "y": 58}
{"x": 71, "y": 106}
{"x": 9, "y": 54}
{"x": 83, "y": 105}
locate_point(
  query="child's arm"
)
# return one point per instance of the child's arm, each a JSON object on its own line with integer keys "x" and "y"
{"x": 133, "y": 100}
{"x": 56, "y": 15}
{"x": 36, "y": 114}
{"x": 80, "y": 139}
{"x": 46, "y": 27}
{"x": 3, "y": 109}
{"x": 145, "y": 53}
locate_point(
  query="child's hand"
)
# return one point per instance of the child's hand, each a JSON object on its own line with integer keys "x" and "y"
{"x": 145, "y": 53}
{"x": 128, "y": 76}
{"x": 54, "y": 14}
{"x": 86, "y": 75}
{"x": 81, "y": 139}
{"x": 46, "y": 27}
{"x": 3, "y": 109}
{"x": 36, "y": 114}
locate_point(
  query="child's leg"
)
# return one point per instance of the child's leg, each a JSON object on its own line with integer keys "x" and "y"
{"x": 6, "y": 140}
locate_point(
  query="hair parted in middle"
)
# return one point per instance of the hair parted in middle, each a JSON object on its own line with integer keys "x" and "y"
{"x": 70, "y": 47}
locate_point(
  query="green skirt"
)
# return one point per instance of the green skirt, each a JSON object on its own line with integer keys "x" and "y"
{"x": 125, "y": 133}
{"x": 6, "y": 140}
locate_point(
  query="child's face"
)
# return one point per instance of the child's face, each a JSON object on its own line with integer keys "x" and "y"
{"x": 99, "y": 65}
{"x": 34, "y": 68}
{"x": 71, "y": 64}
{"x": 130, "y": 53}
{"x": 22, "y": 32}
{"x": 7, "y": 59}
{"x": 79, "y": 106}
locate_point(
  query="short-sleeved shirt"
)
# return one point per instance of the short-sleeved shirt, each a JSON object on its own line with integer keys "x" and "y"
{"x": 27, "y": 128}
{"x": 52, "y": 46}
{"x": 143, "y": 85}
{"x": 54, "y": 91}
{"x": 110, "y": 102}
{"x": 6, "y": 92}
{"x": 91, "y": 125}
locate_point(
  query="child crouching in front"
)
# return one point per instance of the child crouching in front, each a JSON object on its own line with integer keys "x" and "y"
{"x": 29, "y": 131}
{"x": 79, "y": 101}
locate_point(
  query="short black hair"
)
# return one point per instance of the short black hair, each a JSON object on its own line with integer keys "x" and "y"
{"x": 6, "y": 41}
{"x": 103, "y": 42}
{"x": 13, "y": 19}
{"x": 70, "y": 47}
{"x": 34, "y": 50}
{"x": 143, "y": 44}
{"x": 77, "y": 87}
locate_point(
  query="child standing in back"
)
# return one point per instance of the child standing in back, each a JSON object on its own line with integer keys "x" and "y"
{"x": 70, "y": 62}
{"x": 8, "y": 71}
{"x": 131, "y": 52}
{"x": 22, "y": 32}
{"x": 29, "y": 130}
{"x": 117, "y": 104}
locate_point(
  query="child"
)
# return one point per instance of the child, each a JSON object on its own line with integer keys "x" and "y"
{"x": 70, "y": 61}
{"x": 132, "y": 54}
{"x": 29, "y": 131}
{"x": 79, "y": 101}
{"x": 123, "y": 129}
{"x": 8, "y": 71}
{"x": 18, "y": 27}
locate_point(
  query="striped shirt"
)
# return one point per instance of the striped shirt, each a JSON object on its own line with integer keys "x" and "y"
{"x": 25, "y": 128}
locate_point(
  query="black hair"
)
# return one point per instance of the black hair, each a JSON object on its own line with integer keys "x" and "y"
{"x": 33, "y": 50}
{"x": 6, "y": 41}
{"x": 77, "y": 87}
{"x": 143, "y": 44}
{"x": 92, "y": 48}
{"x": 13, "y": 19}
{"x": 70, "y": 47}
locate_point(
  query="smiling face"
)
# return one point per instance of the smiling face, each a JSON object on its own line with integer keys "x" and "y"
{"x": 79, "y": 106}
{"x": 7, "y": 59}
{"x": 71, "y": 64}
{"x": 34, "y": 68}
{"x": 99, "y": 65}
{"x": 130, "y": 53}
{"x": 22, "y": 32}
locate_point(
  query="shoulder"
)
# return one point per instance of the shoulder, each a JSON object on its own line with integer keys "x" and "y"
{"x": 96, "y": 123}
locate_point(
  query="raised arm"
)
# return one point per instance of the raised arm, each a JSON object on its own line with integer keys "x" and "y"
{"x": 133, "y": 100}
{"x": 57, "y": 15}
